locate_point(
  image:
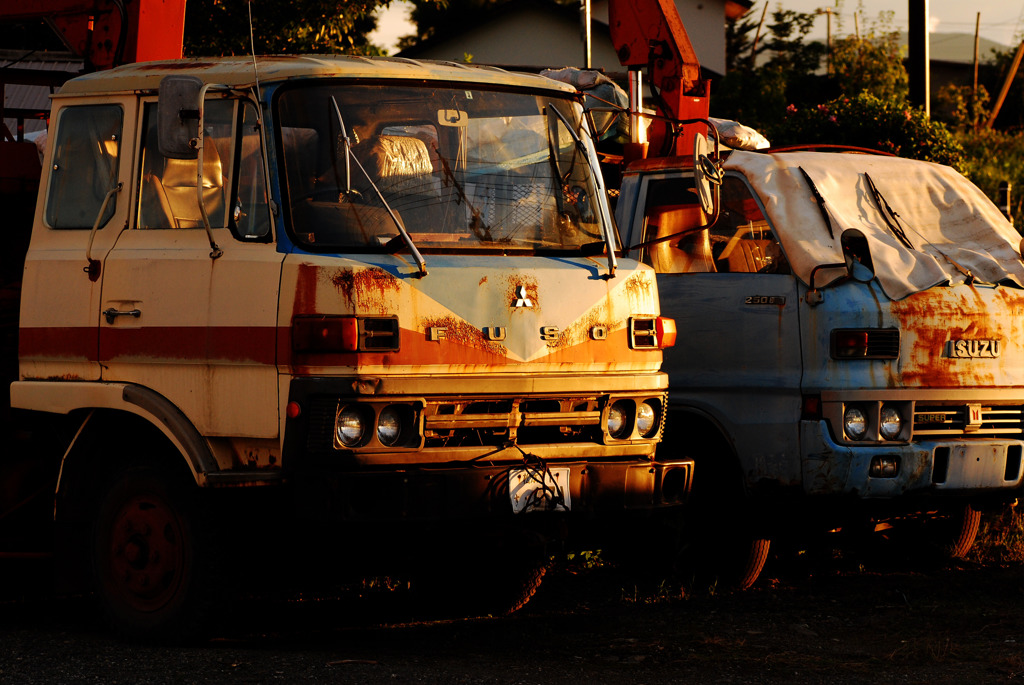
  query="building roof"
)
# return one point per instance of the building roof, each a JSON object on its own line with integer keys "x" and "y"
{"x": 959, "y": 47}
{"x": 29, "y": 79}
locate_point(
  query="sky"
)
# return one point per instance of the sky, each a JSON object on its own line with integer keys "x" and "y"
{"x": 1001, "y": 20}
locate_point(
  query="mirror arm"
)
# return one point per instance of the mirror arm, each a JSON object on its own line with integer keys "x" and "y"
{"x": 93, "y": 265}
{"x": 813, "y": 296}
{"x": 215, "y": 250}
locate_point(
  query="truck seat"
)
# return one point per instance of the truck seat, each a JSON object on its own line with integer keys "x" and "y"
{"x": 691, "y": 253}
{"x": 169, "y": 199}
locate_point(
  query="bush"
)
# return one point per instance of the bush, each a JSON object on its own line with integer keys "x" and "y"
{"x": 864, "y": 120}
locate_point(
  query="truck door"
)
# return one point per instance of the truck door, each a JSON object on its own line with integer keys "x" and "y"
{"x": 735, "y": 303}
{"x": 81, "y": 211}
{"x": 200, "y": 331}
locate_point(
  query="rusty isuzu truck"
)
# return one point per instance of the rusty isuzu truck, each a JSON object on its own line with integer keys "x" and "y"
{"x": 851, "y": 342}
{"x": 373, "y": 308}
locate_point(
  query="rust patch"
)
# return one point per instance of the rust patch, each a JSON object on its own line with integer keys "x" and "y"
{"x": 529, "y": 288}
{"x": 371, "y": 289}
{"x": 639, "y": 287}
{"x": 460, "y": 332}
{"x": 304, "y": 300}
{"x": 931, "y": 318}
{"x": 579, "y": 331}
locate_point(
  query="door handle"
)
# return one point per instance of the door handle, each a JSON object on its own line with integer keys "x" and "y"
{"x": 112, "y": 314}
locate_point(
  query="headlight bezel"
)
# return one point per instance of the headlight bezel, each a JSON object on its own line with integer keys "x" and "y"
{"x": 885, "y": 424}
{"x": 357, "y": 417}
{"x": 855, "y": 414}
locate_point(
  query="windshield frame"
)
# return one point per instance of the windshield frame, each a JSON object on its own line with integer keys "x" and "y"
{"x": 600, "y": 233}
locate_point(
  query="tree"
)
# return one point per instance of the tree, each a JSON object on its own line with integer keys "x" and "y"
{"x": 872, "y": 64}
{"x": 785, "y": 69}
{"x": 864, "y": 120}
{"x": 221, "y": 27}
{"x": 859, "y": 102}
{"x": 431, "y": 16}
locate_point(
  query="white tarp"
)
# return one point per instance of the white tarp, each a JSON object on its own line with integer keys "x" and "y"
{"x": 948, "y": 221}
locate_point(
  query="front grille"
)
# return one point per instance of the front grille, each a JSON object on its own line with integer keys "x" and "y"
{"x": 487, "y": 421}
{"x": 968, "y": 420}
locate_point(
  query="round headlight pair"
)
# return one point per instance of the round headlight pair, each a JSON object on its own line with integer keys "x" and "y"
{"x": 353, "y": 421}
{"x": 620, "y": 419}
{"x": 890, "y": 422}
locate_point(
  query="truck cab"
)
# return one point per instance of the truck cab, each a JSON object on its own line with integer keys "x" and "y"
{"x": 850, "y": 349}
{"x": 372, "y": 308}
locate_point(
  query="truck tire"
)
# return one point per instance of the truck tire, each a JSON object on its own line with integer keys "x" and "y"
{"x": 957, "y": 533}
{"x": 487, "y": 581}
{"x": 749, "y": 563}
{"x": 151, "y": 561}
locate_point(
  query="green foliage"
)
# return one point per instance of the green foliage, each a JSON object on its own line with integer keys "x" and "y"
{"x": 994, "y": 156}
{"x": 870, "y": 65}
{"x": 966, "y": 110}
{"x": 221, "y": 27}
{"x": 868, "y": 121}
{"x": 860, "y": 100}
{"x": 1000, "y": 537}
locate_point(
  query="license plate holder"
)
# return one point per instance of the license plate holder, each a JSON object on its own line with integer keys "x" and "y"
{"x": 537, "y": 489}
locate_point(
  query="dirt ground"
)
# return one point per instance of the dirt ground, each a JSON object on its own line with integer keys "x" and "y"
{"x": 815, "y": 616}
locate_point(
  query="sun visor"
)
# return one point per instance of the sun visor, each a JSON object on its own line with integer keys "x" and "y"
{"x": 923, "y": 223}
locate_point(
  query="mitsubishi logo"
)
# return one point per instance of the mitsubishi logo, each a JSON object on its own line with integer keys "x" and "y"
{"x": 521, "y": 299}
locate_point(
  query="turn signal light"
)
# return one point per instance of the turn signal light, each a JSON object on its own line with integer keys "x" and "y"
{"x": 325, "y": 334}
{"x": 666, "y": 330}
{"x": 850, "y": 344}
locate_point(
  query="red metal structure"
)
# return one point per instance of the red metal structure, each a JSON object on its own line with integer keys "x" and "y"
{"x": 107, "y": 33}
{"x": 650, "y": 34}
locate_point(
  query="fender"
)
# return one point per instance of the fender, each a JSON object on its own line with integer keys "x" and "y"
{"x": 57, "y": 397}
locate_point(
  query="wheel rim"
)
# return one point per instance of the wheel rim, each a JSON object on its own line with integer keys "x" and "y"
{"x": 146, "y": 557}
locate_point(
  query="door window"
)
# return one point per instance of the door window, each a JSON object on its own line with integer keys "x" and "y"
{"x": 740, "y": 241}
{"x": 85, "y": 164}
{"x": 168, "y": 195}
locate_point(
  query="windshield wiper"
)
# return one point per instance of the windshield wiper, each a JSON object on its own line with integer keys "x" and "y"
{"x": 891, "y": 218}
{"x": 595, "y": 172}
{"x": 821, "y": 202}
{"x": 350, "y": 157}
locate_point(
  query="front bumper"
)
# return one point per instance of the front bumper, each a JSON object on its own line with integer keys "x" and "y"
{"x": 957, "y": 467}
{"x": 482, "y": 491}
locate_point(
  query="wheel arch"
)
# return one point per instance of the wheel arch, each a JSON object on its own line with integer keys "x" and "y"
{"x": 111, "y": 417}
{"x": 695, "y": 433}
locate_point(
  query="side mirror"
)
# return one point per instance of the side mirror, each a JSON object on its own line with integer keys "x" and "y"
{"x": 178, "y": 116}
{"x": 706, "y": 177}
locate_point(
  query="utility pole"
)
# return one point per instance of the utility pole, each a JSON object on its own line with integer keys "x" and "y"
{"x": 828, "y": 12}
{"x": 585, "y": 28}
{"x": 918, "y": 60}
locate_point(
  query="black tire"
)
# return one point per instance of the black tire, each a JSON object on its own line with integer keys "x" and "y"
{"x": 749, "y": 563}
{"x": 725, "y": 547}
{"x": 490, "y": 582}
{"x": 151, "y": 561}
{"x": 956, "y": 534}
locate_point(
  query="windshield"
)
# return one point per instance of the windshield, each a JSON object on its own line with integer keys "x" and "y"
{"x": 456, "y": 169}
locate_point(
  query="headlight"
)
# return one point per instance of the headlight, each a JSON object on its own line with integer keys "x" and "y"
{"x": 890, "y": 423}
{"x": 618, "y": 419}
{"x": 646, "y": 419}
{"x": 349, "y": 426}
{"x": 389, "y": 426}
{"x": 855, "y": 423}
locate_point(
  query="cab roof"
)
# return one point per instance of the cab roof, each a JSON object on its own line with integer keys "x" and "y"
{"x": 237, "y": 72}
